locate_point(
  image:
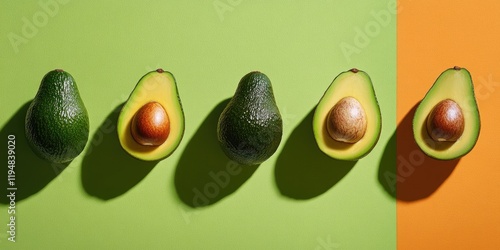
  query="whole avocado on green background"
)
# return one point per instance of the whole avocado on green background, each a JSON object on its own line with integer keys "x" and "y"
{"x": 57, "y": 124}
{"x": 250, "y": 127}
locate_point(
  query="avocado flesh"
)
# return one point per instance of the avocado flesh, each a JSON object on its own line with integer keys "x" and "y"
{"x": 156, "y": 86}
{"x": 357, "y": 84}
{"x": 57, "y": 123}
{"x": 250, "y": 127}
{"x": 454, "y": 84}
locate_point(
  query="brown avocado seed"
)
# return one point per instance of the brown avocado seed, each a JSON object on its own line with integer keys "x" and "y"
{"x": 346, "y": 121}
{"x": 150, "y": 125}
{"x": 446, "y": 121}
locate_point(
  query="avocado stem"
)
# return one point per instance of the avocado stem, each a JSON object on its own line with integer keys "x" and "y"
{"x": 354, "y": 70}
{"x": 160, "y": 70}
{"x": 59, "y": 70}
{"x": 457, "y": 68}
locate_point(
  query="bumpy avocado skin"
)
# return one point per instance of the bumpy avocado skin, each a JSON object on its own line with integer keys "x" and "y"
{"x": 57, "y": 123}
{"x": 250, "y": 127}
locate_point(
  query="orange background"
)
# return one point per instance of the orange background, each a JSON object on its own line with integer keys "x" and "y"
{"x": 449, "y": 204}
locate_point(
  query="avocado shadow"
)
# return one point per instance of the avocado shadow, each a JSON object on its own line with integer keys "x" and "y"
{"x": 302, "y": 171}
{"x": 204, "y": 175}
{"x": 32, "y": 173}
{"x": 107, "y": 170}
{"x": 405, "y": 172}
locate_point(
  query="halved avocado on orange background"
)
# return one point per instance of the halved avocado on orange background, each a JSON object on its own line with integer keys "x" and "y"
{"x": 453, "y": 85}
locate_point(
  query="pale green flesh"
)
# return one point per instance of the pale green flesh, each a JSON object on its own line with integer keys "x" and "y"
{"x": 455, "y": 85}
{"x": 359, "y": 86}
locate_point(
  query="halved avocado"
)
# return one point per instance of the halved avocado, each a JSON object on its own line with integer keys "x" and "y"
{"x": 151, "y": 123}
{"x": 451, "y": 103}
{"x": 350, "y": 107}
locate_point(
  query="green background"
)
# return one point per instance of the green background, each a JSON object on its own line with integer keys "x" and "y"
{"x": 298, "y": 199}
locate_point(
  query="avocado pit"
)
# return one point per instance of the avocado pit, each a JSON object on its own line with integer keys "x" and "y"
{"x": 150, "y": 125}
{"x": 445, "y": 122}
{"x": 346, "y": 121}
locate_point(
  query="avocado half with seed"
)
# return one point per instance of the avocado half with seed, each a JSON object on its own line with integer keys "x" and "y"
{"x": 151, "y": 123}
{"x": 446, "y": 123}
{"x": 347, "y": 120}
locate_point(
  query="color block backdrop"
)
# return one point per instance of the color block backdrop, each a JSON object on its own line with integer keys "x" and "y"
{"x": 453, "y": 204}
{"x": 196, "y": 198}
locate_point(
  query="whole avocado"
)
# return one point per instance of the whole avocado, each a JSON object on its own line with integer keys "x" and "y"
{"x": 57, "y": 123}
{"x": 250, "y": 127}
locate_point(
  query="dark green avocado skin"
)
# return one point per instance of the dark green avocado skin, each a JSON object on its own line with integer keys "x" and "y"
{"x": 250, "y": 127}
{"x": 57, "y": 123}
